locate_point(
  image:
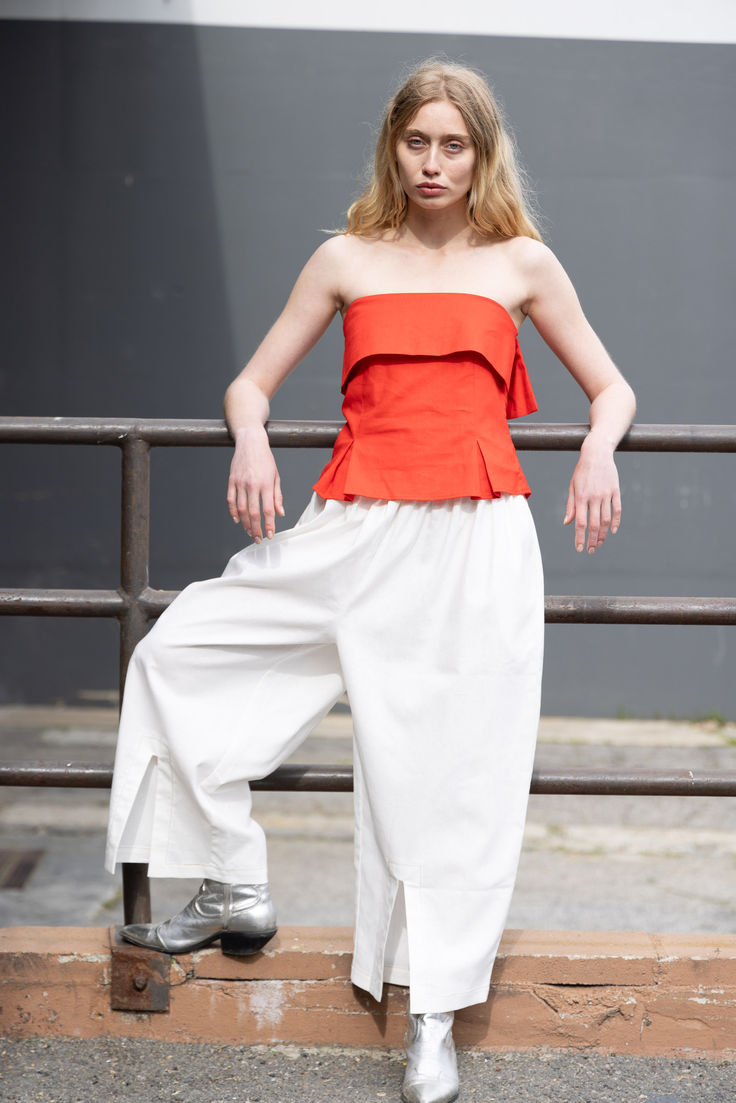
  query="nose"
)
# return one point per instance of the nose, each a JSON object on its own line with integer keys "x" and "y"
{"x": 431, "y": 162}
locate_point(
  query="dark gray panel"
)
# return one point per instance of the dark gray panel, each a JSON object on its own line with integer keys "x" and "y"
{"x": 162, "y": 187}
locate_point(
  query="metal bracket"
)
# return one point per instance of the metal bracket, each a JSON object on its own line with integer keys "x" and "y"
{"x": 139, "y": 978}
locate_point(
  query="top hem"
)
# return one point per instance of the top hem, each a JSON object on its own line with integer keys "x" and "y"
{"x": 343, "y": 496}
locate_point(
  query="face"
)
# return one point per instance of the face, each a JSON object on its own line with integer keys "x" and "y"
{"x": 435, "y": 157}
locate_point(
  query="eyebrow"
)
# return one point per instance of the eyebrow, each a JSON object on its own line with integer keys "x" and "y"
{"x": 412, "y": 132}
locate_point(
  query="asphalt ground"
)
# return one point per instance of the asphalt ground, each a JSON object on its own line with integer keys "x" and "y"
{"x": 113, "y": 1071}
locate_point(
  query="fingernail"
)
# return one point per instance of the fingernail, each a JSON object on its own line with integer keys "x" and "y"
{"x": 614, "y": 528}
{"x": 579, "y": 547}
{"x": 591, "y": 550}
{"x": 235, "y": 520}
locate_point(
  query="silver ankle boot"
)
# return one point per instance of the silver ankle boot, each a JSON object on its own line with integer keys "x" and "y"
{"x": 431, "y": 1070}
{"x": 241, "y": 916}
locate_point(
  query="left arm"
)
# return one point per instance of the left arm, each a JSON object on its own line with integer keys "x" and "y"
{"x": 593, "y": 499}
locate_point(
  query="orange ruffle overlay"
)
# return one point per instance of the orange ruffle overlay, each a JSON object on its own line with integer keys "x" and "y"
{"x": 429, "y": 381}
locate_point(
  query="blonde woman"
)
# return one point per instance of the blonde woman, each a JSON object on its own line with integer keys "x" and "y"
{"x": 412, "y": 581}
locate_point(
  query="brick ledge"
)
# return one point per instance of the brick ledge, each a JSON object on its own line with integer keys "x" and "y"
{"x": 618, "y": 992}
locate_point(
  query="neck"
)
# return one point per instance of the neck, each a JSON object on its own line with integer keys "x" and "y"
{"x": 437, "y": 230}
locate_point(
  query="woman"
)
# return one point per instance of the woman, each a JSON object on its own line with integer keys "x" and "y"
{"x": 412, "y": 580}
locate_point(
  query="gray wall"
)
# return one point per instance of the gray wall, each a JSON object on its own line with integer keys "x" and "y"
{"x": 163, "y": 185}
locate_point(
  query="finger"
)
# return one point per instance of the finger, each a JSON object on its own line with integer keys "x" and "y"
{"x": 594, "y": 523}
{"x": 254, "y": 512}
{"x": 232, "y": 501}
{"x": 269, "y": 519}
{"x": 605, "y": 521}
{"x": 581, "y": 519}
{"x": 242, "y": 508}
{"x": 616, "y": 502}
{"x": 570, "y": 507}
{"x": 277, "y": 496}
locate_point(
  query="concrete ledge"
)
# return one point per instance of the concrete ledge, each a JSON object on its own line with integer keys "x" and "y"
{"x": 615, "y": 992}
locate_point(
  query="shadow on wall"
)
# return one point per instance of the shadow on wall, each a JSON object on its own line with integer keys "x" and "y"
{"x": 116, "y": 303}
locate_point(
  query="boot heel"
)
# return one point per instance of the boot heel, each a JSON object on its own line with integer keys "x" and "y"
{"x": 241, "y": 944}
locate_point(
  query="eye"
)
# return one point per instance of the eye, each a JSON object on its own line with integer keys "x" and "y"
{"x": 455, "y": 147}
{"x": 414, "y": 142}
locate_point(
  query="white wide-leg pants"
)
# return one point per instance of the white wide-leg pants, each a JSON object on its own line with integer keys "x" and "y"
{"x": 430, "y": 614}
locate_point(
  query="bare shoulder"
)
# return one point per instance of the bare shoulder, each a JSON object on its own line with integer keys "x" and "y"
{"x": 340, "y": 249}
{"x": 542, "y": 274}
{"x": 322, "y": 275}
{"x": 334, "y": 258}
{"x": 330, "y": 253}
{"x": 340, "y": 260}
{"x": 530, "y": 255}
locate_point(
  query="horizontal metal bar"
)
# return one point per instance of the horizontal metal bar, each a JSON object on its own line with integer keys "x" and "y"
{"x": 68, "y": 775}
{"x": 62, "y": 603}
{"x": 536, "y": 436}
{"x": 158, "y": 431}
{"x": 550, "y": 437}
{"x": 339, "y": 779}
{"x": 66, "y": 430}
{"x": 302, "y": 778}
{"x": 82, "y": 603}
{"x": 576, "y": 609}
{"x": 610, "y": 782}
{"x": 155, "y": 601}
{"x": 559, "y": 609}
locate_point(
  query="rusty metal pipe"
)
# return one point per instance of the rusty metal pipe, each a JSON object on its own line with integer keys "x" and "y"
{"x": 569, "y": 609}
{"x": 303, "y": 778}
{"x": 135, "y": 510}
{"x": 134, "y": 547}
{"x": 137, "y": 608}
{"x": 136, "y": 893}
{"x": 61, "y": 603}
{"x": 537, "y": 436}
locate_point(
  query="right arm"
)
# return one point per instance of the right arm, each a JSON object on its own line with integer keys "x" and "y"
{"x": 254, "y": 482}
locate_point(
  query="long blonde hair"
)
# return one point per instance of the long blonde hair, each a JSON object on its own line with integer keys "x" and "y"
{"x": 498, "y": 201}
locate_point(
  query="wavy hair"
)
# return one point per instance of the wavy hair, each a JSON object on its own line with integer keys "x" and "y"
{"x": 498, "y": 203}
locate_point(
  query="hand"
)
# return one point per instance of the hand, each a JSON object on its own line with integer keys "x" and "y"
{"x": 594, "y": 500}
{"x": 254, "y": 484}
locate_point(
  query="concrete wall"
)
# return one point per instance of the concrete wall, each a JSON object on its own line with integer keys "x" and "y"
{"x": 164, "y": 183}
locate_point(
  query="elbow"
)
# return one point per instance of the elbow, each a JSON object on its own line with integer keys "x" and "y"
{"x": 626, "y": 401}
{"x": 227, "y": 406}
{"x": 620, "y": 392}
{"x": 235, "y": 392}
{"x": 228, "y": 397}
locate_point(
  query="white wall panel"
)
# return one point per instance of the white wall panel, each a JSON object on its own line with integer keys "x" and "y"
{"x": 627, "y": 20}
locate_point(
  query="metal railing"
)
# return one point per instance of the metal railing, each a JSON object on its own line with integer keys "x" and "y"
{"x": 135, "y": 603}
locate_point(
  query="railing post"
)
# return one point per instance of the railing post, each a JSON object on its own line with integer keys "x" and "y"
{"x": 134, "y": 549}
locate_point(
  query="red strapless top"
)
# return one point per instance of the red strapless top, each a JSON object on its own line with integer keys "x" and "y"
{"x": 429, "y": 381}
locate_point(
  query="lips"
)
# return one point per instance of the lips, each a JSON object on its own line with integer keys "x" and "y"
{"x": 430, "y": 189}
